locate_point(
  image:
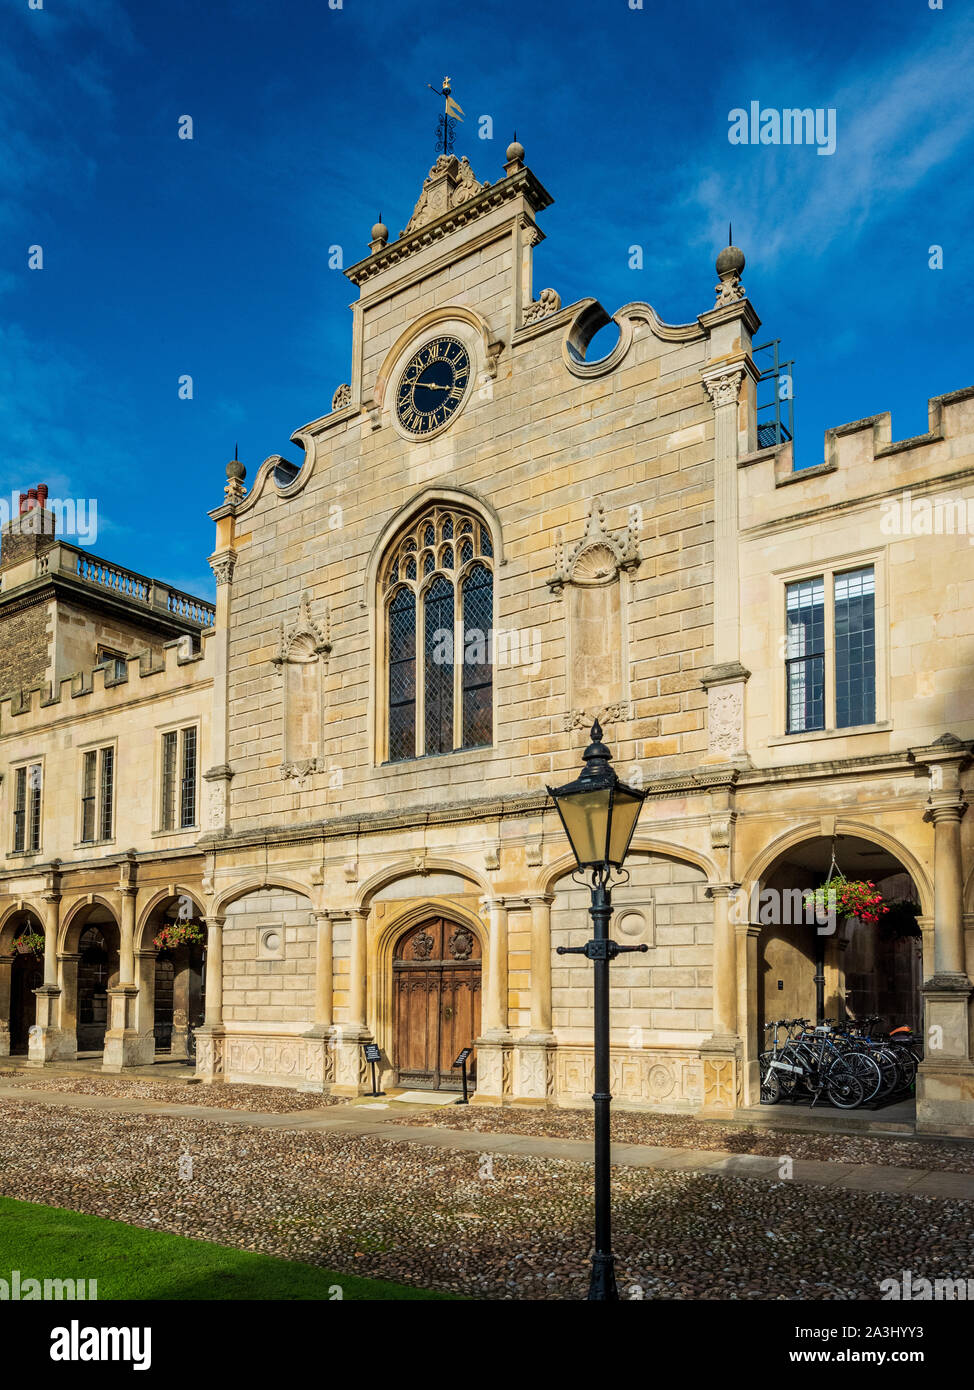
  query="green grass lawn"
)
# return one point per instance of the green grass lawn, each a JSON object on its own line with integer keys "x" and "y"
{"x": 130, "y": 1262}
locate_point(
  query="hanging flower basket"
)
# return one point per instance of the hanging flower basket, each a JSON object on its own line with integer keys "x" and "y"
{"x": 30, "y": 944}
{"x": 848, "y": 897}
{"x": 180, "y": 934}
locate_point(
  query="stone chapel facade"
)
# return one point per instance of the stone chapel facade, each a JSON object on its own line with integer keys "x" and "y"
{"x": 491, "y": 540}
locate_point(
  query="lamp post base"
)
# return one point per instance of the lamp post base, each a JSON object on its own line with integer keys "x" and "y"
{"x": 602, "y": 1287}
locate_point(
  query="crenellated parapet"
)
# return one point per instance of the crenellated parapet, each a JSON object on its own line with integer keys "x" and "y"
{"x": 862, "y": 462}
{"x": 105, "y": 687}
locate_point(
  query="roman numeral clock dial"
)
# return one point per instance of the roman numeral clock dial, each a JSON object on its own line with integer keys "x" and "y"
{"x": 432, "y": 386}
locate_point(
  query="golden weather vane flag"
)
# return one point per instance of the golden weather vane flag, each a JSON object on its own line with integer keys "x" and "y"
{"x": 452, "y": 111}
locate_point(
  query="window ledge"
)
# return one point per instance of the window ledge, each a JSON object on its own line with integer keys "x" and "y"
{"x": 182, "y": 830}
{"x": 468, "y": 753}
{"x": 816, "y": 735}
{"x": 24, "y": 853}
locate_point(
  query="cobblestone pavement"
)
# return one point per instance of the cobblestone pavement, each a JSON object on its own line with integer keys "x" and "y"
{"x": 680, "y": 1131}
{"x": 269, "y": 1100}
{"x": 485, "y": 1225}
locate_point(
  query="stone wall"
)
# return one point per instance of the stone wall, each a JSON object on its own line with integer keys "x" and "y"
{"x": 25, "y": 646}
{"x": 269, "y": 961}
{"x": 537, "y": 452}
{"x": 661, "y": 997}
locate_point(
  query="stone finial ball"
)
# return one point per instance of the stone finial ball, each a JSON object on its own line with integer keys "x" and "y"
{"x": 730, "y": 261}
{"x": 235, "y": 469}
{"x": 515, "y": 150}
{"x": 380, "y": 232}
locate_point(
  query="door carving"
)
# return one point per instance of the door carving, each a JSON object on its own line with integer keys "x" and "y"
{"x": 436, "y": 1002}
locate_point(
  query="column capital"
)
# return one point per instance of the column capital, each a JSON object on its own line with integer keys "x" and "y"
{"x": 723, "y": 383}
{"x": 722, "y": 890}
{"x": 944, "y": 806}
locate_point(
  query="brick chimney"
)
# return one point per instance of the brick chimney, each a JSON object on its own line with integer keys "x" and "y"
{"x": 31, "y": 532}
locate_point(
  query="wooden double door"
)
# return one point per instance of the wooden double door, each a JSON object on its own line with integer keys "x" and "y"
{"x": 436, "y": 1003}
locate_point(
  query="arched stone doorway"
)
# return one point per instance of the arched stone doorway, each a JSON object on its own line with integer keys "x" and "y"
{"x": 436, "y": 987}
{"x": 171, "y": 980}
{"x": 870, "y": 968}
{"x": 21, "y": 973}
{"x": 97, "y": 971}
{"x": 89, "y": 965}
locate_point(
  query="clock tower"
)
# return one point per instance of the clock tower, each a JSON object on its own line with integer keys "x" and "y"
{"x": 439, "y": 305}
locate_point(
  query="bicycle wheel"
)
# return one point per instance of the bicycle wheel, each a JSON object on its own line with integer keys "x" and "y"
{"x": 888, "y": 1063}
{"x": 844, "y": 1090}
{"x": 906, "y": 1067}
{"x": 770, "y": 1089}
{"x": 864, "y": 1066}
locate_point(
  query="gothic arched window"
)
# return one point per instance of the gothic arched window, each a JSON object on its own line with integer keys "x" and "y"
{"x": 438, "y": 623}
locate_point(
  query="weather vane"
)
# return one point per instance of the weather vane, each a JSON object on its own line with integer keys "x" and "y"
{"x": 446, "y": 125}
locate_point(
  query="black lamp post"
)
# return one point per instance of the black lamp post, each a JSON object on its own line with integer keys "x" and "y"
{"x": 599, "y": 814}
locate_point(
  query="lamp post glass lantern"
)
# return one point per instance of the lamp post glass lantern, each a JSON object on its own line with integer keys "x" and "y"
{"x": 599, "y": 815}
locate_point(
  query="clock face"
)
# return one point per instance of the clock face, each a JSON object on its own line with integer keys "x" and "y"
{"x": 432, "y": 386}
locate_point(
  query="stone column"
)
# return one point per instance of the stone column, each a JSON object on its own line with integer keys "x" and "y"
{"x": 747, "y": 934}
{"x": 357, "y": 971}
{"x": 721, "y": 1052}
{"x": 534, "y": 1053}
{"x": 349, "y": 1052}
{"x": 6, "y": 972}
{"x": 320, "y": 1071}
{"x": 210, "y": 1037}
{"x": 324, "y": 972}
{"x": 945, "y": 1081}
{"x": 45, "y": 1036}
{"x": 215, "y": 817}
{"x": 494, "y": 1046}
{"x": 123, "y": 1046}
{"x": 69, "y": 962}
{"x": 179, "y": 1047}
{"x": 726, "y": 679}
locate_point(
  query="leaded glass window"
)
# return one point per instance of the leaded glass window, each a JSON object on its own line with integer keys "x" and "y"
{"x": 855, "y": 648}
{"x": 402, "y": 676}
{"x": 451, "y": 706}
{"x": 829, "y": 688}
{"x": 478, "y": 669}
{"x": 438, "y": 665}
{"x": 805, "y": 602}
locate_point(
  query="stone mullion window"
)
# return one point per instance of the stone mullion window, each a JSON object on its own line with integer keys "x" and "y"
{"x": 20, "y": 810}
{"x": 476, "y": 661}
{"x": 187, "y": 790}
{"x": 831, "y": 651}
{"x": 89, "y": 795}
{"x": 169, "y": 752}
{"x": 402, "y": 675}
{"x": 107, "y": 792}
{"x": 425, "y": 579}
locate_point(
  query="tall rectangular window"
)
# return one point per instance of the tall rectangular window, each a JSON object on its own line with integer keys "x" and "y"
{"x": 27, "y": 808}
{"x": 89, "y": 795}
{"x": 830, "y": 651}
{"x": 805, "y": 655}
{"x": 34, "y": 806}
{"x": 20, "y": 810}
{"x": 187, "y": 790}
{"x": 179, "y": 779}
{"x": 170, "y": 748}
{"x": 107, "y": 792}
{"x": 97, "y": 794}
{"x": 855, "y": 648}
{"x": 402, "y": 676}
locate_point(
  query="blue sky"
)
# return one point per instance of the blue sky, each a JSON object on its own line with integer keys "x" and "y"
{"x": 210, "y": 257}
